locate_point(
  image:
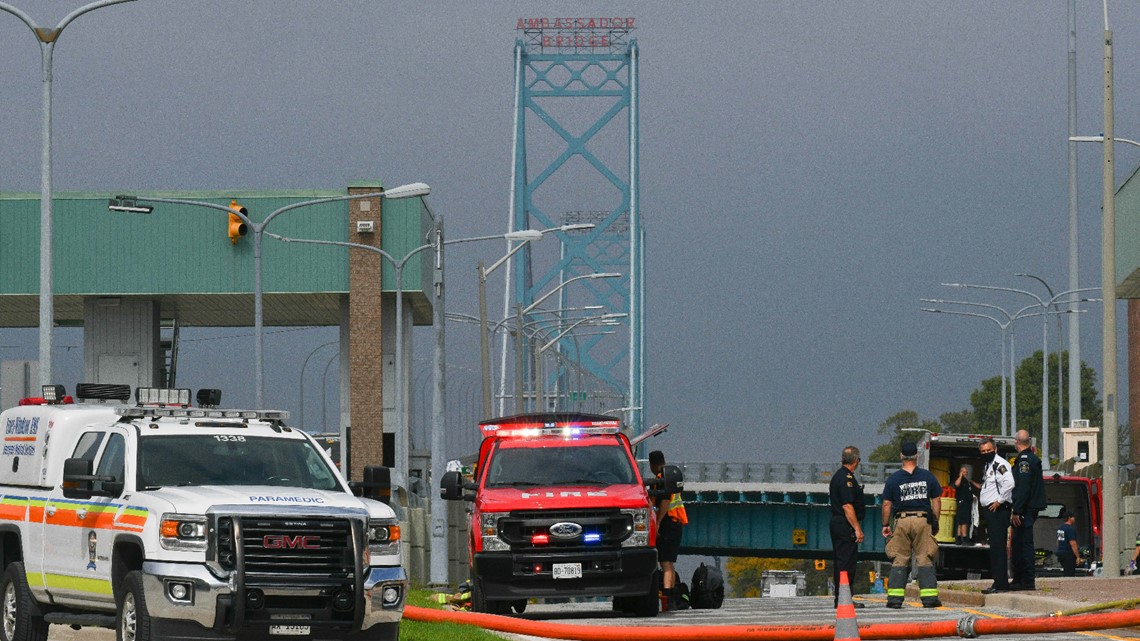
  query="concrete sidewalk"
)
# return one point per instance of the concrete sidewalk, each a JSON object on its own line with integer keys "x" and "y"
{"x": 1053, "y": 594}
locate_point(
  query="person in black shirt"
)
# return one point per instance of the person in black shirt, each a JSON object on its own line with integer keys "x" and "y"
{"x": 847, "y": 511}
{"x": 1028, "y": 500}
{"x": 964, "y": 502}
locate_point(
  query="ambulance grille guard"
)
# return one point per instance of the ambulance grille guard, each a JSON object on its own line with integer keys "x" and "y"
{"x": 518, "y": 528}
{"x": 279, "y": 551}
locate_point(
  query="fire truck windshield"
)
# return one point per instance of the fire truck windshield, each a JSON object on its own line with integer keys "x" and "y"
{"x": 560, "y": 465}
{"x": 223, "y": 459}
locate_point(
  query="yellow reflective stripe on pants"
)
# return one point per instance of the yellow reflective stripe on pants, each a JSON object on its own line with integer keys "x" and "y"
{"x": 897, "y": 592}
{"x": 928, "y": 592}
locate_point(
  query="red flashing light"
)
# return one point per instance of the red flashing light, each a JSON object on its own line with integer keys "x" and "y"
{"x": 565, "y": 429}
{"x": 39, "y": 400}
{"x": 540, "y": 539}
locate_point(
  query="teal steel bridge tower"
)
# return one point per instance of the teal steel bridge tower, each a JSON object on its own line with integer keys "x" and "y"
{"x": 576, "y": 89}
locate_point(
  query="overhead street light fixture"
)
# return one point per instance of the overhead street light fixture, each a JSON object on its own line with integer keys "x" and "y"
{"x": 128, "y": 204}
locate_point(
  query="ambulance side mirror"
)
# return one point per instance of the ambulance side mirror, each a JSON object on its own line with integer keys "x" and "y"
{"x": 377, "y": 484}
{"x": 79, "y": 482}
{"x": 77, "y": 478}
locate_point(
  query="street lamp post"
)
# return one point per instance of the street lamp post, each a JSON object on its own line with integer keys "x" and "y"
{"x": 1005, "y": 328}
{"x": 524, "y": 236}
{"x": 1045, "y": 305}
{"x": 539, "y": 384}
{"x": 1073, "y": 382}
{"x": 131, "y": 203}
{"x": 522, "y": 311}
{"x": 1113, "y": 544}
{"x": 47, "y": 39}
{"x": 301, "y": 389}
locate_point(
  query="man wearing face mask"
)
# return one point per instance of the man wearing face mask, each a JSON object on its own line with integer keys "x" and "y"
{"x": 994, "y": 501}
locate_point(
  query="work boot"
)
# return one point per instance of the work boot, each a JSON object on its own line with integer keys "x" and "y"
{"x": 931, "y": 603}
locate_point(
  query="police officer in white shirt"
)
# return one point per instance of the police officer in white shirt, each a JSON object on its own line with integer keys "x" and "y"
{"x": 994, "y": 494}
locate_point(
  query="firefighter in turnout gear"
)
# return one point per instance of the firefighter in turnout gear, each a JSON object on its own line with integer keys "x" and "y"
{"x": 912, "y": 504}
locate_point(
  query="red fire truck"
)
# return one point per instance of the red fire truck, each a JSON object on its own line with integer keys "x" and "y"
{"x": 560, "y": 509}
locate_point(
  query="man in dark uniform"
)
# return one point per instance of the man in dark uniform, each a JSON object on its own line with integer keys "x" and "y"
{"x": 913, "y": 497}
{"x": 1028, "y": 500}
{"x": 847, "y": 511}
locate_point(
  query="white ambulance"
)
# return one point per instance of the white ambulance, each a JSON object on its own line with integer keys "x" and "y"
{"x": 167, "y": 521}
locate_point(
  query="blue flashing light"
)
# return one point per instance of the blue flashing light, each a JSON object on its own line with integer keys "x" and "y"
{"x": 592, "y": 537}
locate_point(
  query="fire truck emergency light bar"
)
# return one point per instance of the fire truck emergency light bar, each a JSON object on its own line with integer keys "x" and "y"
{"x": 565, "y": 429}
{"x": 144, "y": 412}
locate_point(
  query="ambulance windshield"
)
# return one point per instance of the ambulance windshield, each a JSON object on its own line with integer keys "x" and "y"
{"x": 593, "y": 465}
{"x": 226, "y": 459}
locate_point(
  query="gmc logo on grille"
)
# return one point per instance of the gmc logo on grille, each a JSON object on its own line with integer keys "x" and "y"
{"x": 286, "y": 542}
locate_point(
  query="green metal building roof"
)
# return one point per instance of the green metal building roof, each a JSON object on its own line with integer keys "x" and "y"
{"x": 182, "y": 256}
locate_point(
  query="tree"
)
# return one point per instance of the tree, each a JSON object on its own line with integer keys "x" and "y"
{"x": 987, "y": 400}
{"x": 898, "y": 428}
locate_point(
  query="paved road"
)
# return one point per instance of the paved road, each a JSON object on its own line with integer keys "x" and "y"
{"x": 800, "y": 611}
{"x": 805, "y": 610}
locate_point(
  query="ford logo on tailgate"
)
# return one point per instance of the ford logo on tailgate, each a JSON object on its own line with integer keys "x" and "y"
{"x": 566, "y": 530}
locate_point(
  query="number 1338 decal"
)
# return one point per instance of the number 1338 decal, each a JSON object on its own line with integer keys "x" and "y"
{"x": 228, "y": 437}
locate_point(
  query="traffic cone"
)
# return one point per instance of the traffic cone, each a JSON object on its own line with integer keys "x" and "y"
{"x": 846, "y": 626}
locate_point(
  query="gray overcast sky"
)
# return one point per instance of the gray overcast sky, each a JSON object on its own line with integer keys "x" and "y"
{"x": 809, "y": 171}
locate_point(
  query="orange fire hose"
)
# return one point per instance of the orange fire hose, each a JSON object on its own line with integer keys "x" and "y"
{"x": 968, "y": 627}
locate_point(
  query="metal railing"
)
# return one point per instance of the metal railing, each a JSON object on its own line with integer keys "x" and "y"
{"x": 722, "y": 472}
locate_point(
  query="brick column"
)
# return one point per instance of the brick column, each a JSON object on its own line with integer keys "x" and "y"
{"x": 366, "y": 358}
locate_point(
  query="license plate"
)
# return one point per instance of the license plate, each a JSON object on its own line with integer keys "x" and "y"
{"x": 567, "y": 570}
{"x": 289, "y": 630}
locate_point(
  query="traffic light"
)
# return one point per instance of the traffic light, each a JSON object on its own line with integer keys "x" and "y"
{"x": 237, "y": 227}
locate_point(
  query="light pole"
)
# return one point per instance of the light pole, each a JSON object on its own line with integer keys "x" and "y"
{"x": 1005, "y": 327}
{"x": 438, "y": 570}
{"x": 524, "y": 236}
{"x": 130, "y": 204}
{"x": 1060, "y": 349}
{"x": 522, "y": 311}
{"x": 1113, "y": 543}
{"x": 47, "y": 39}
{"x": 301, "y": 389}
{"x": 539, "y": 384}
{"x": 1044, "y": 305}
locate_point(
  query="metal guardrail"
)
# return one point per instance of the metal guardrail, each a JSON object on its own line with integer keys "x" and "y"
{"x": 722, "y": 472}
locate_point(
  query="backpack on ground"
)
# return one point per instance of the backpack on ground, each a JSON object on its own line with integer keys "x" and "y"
{"x": 707, "y": 588}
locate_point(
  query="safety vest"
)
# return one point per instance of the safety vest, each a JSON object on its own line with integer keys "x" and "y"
{"x": 676, "y": 510}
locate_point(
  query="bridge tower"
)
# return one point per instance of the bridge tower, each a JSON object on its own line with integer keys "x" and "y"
{"x": 575, "y": 160}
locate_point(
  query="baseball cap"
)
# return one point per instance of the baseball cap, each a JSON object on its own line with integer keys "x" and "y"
{"x": 908, "y": 449}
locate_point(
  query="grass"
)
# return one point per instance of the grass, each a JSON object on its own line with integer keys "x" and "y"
{"x": 422, "y": 631}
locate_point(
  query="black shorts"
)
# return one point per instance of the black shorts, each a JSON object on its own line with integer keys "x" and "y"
{"x": 669, "y": 540}
{"x": 965, "y": 514}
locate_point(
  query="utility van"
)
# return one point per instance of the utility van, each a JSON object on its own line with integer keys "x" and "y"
{"x": 166, "y": 521}
{"x": 944, "y": 454}
{"x": 560, "y": 509}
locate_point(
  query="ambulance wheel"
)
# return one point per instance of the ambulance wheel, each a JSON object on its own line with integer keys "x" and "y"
{"x": 134, "y": 621}
{"x": 19, "y": 623}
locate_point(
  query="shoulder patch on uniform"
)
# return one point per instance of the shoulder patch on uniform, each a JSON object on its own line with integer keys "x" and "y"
{"x": 1023, "y": 467}
{"x": 1001, "y": 469}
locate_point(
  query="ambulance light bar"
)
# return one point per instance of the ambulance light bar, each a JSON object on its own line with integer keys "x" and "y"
{"x": 162, "y": 396}
{"x": 182, "y": 412}
{"x": 564, "y": 429}
{"x": 53, "y": 394}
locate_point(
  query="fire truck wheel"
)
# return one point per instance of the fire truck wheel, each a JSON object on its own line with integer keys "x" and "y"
{"x": 134, "y": 621}
{"x": 646, "y": 606}
{"x": 19, "y": 623}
